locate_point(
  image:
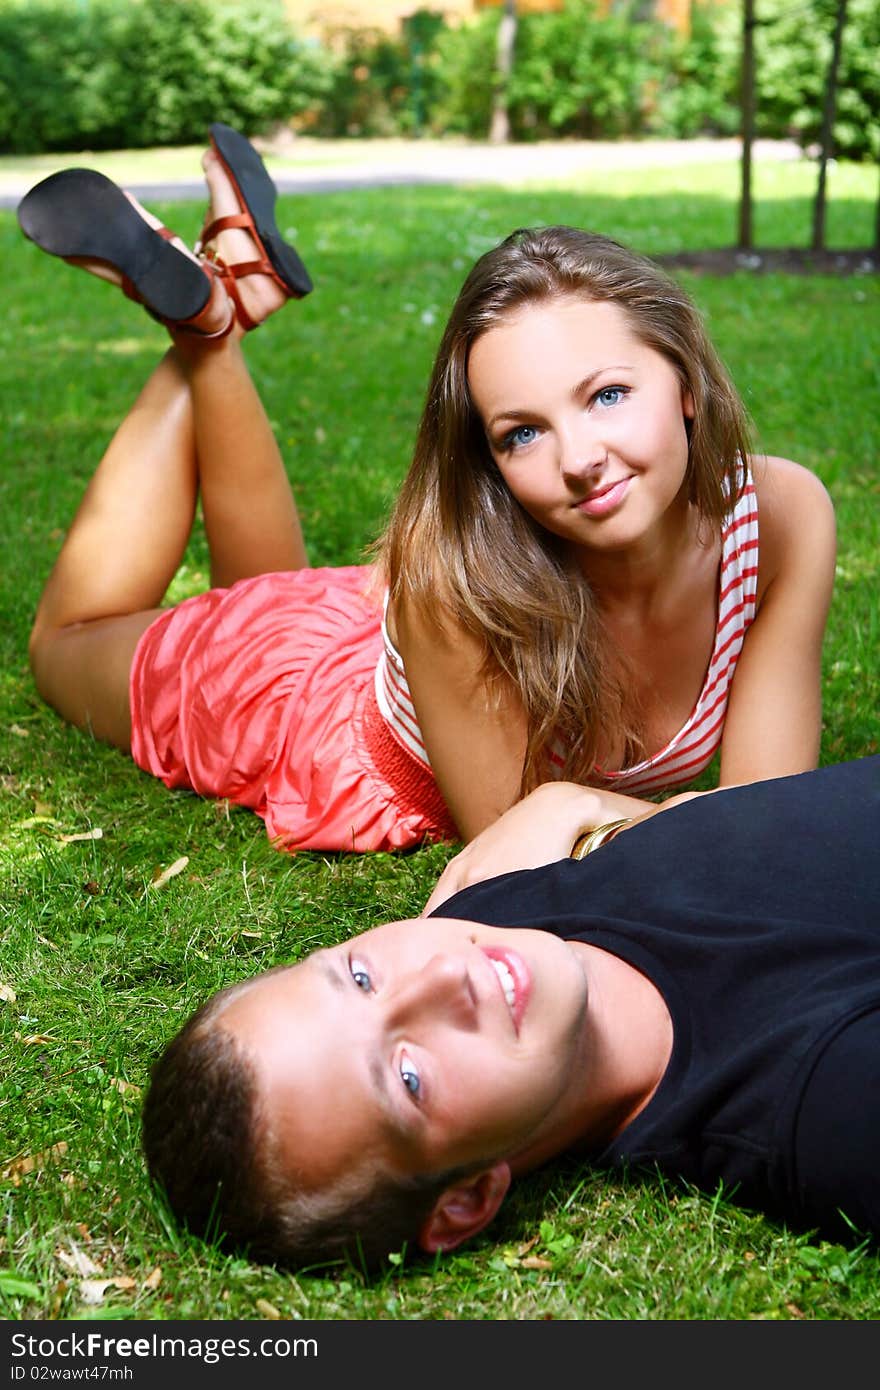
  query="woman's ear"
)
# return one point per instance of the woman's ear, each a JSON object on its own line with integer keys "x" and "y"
{"x": 689, "y": 410}
{"x": 465, "y": 1208}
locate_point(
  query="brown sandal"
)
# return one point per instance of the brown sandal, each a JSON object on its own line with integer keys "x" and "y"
{"x": 80, "y": 214}
{"x": 256, "y": 195}
{"x": 190, "y": 325}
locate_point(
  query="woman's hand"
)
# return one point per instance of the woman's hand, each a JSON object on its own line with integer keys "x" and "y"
{"x": 538, "y": 830}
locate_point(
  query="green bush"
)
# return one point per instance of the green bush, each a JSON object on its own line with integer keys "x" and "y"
{"x": 590, "y": 75}
{"x": 101, "y": 74}
{"x": 44, "y": 58}
{"x": 369, "y": 91}
{"x": 793, "y": 53}
{"x": 462, "y": 62}
{"x": 699, "y": 92}
{"x": 382, "y": 84}
{"x": 584, "y": 74}
{"x": 111, "y": 73}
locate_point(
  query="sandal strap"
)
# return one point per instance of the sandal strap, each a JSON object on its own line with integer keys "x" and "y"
{"x": 222, "y": 224}
{"x": 240, "y": 269}
{"x": 214, "y": 273}
{"x": 229, "y": 274}
{"x": 186, "y": 325}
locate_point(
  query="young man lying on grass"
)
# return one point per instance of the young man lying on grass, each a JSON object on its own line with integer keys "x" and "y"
{"x": 701, "y": 995}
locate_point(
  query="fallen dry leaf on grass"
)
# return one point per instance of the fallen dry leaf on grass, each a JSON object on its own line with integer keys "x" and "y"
{"x": 18, "y": 1169}
{"x": 268, "y": 1309}
{"x": 77, "y": 1261}
{"x": 125, "y": 1088}
{"x": 172, "y": 871}
{"x": 153, "y": 1280}
{"x": 94, "y": 1290}
{"x": 96, "y": 834}
{"x": 7, "y": 994}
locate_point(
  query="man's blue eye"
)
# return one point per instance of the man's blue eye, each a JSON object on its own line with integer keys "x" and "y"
{"x": 361, "y": 976}
{"x": 410, "y": 1077}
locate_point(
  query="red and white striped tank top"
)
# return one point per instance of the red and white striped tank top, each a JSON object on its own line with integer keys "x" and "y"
{"x": 691, "y": 750}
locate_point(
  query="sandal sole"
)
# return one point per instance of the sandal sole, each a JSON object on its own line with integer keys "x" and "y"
{"x": 79, "y": 212}
{"x": 258, "y": 195}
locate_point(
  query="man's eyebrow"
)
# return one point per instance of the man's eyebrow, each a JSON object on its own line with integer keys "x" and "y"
{"x": 334, "y": 975}
{"x": 379, "y": 1078}
{"x": 323, "y": 961}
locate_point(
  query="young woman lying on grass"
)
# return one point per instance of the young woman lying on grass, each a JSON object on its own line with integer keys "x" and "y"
{"x": 570, "y": 585}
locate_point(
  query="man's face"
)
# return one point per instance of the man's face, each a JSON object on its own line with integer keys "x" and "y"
{"x": 416, "y": 1047}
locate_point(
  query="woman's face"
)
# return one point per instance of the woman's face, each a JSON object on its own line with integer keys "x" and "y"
{"x": 586, "y": 424}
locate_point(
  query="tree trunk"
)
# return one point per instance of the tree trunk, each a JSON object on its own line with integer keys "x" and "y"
{"x": 826, "y": 145}
{"x": 499, "y": 132}
{"x": 747, "y": 109}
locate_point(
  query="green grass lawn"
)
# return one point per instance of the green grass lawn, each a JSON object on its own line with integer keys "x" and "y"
{"x": 98, "y": 967}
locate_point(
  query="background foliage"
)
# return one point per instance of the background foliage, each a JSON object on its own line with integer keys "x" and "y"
{"x": 135, "y": 73}
{"x": 794, "y": 48}
{"x": 104, "y": 74}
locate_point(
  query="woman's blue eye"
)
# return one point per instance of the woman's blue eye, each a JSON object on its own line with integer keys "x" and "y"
{"x": 520, "y": 437}
{"x": 361, "y": 976}
{"x": 610, "y": 395}
{"x": 410, "y": 1077}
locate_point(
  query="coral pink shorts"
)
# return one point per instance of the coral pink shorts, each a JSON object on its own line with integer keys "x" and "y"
{"x": 263, "y": 694}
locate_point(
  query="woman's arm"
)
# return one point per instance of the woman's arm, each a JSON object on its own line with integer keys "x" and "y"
{"x": 774, "y": 715}
{"x": 539, "y": 829}
{"x": 475, "y": 736}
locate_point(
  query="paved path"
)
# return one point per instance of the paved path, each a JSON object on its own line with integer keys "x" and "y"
{"x": 314, "y": 166}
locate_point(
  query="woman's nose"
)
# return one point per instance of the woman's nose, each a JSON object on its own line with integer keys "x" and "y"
{"x": 581, "y": 451}
{"x": 441, "y": 989}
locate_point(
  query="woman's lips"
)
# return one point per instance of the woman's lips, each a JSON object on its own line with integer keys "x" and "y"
{"x": 605, "y": 499}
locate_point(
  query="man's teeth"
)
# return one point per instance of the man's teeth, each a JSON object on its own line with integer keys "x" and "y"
{"x": 507, "y": 981}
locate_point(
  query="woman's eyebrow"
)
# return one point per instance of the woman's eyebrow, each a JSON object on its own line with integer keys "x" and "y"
{"x": 521, "y": 412}
{"x": 587, "y": 381}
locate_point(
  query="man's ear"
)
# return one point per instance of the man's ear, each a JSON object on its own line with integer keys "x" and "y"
{"x": 465, "y": 1208}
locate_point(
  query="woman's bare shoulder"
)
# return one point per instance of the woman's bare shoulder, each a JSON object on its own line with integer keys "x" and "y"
{"x": 780, "y": 479}
{"x": 796, "y": 514}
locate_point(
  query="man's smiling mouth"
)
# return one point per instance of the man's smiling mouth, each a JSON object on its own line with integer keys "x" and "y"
{"x": 506, "y": 981}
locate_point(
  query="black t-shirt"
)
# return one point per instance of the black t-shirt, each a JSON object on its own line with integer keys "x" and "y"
{"x": 756, "y": 913}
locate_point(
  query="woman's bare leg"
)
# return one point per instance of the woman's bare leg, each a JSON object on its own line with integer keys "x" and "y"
{"x": 118, "y": 558}
{"x": 250, "y": 515}
{"x": 197, "y": 425}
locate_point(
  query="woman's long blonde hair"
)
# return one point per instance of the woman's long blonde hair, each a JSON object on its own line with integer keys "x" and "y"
{"x": 458, "y": 541}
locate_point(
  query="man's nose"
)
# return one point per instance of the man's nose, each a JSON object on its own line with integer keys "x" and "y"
{"x": 441, "y": 989}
